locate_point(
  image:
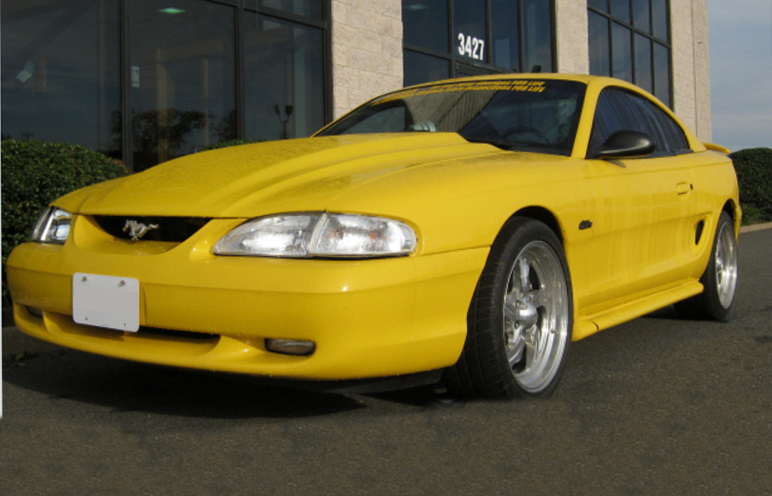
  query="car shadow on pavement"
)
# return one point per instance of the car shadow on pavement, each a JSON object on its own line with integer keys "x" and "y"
{"x": 126, "y": 386}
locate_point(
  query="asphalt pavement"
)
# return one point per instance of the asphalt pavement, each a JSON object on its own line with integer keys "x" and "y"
{"x": 659, "y": 405}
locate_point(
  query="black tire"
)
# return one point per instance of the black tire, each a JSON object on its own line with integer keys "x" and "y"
{"x": 520, "y": 320}
{"x": 719, "y": 279}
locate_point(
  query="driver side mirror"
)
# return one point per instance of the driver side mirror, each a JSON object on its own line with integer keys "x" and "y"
{"x": 626, "y": 144}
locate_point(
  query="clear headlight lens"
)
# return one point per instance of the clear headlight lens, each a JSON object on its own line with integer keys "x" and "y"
{"x": 317, "y": 234}
{"x": 53, "y": 226}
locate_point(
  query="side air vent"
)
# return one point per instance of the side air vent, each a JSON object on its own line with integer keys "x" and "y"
{"x": 169, "y": 229}
{"x": 698, "y": 234}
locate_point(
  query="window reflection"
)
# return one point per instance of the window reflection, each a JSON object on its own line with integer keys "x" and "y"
{"x": 662, "y": 73}
{"x": 182, "y": 78}
{"x": 308, "y": 8}
{"x": 537, "y": 36}
{"x": 284, "y": 71}
{"x": 641, "y": 14}
{"x": 620, "y": 9}
{"x": 420, "y": 68}
{"x": 486, "y": 36}
{"x": 600, "y": 62}
{"x": 426, "y": 23}
{"x": 60, "y": 73}
{"x": 660, "y": 19}
{"x": 632, "y": 44}
{"x": 643, "y": 63}
{"x": 505, "y": 25}
{"x": 621, "y": 48}
{"x": 469, "y": 34}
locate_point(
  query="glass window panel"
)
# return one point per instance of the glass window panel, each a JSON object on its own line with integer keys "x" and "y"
{"x": 505, "y": 36}
{"x": 469, "y": 34}
{"x": 599, "y": 4}
{"x": 619, "y": 110}
{"x": 420, "y": 68}
{"x": 600, "y": 62}
{"x": 182, "y": 78}
{"x": 641, "y": 15}
{"x": 643, "y": 73}
{"x": 621, "y": 48}
{"x": 659, "y": 17}
{"x": 425, "y": 23}
{"x": 676, "y": 139}
{"x": 61, "y": 73}
{"x": 284, "y": 79}
{"x": 620, "y": 9}
{"x": 662, "y": 74}
{"x": 308, "y": 8}
{"x": 537, "y": 36}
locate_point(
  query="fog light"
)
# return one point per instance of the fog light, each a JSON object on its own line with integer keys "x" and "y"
{"x": 294, "y": 347}
{"x": 35, "y": 312}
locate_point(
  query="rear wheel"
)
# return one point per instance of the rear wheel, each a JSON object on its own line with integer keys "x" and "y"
{"x": 520, "y": 319}
{"x": 719, "y": 278}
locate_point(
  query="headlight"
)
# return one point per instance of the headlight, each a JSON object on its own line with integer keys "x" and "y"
{"x": 316, "y": 234}
{"x": 53, "y": 226}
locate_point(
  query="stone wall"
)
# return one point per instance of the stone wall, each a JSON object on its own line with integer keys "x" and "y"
{"x": 366, "y": 51}
{"x": 571, "y": 36}
{"x": 691, "y": 65}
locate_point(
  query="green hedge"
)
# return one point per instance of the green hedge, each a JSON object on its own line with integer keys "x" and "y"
{"x": 754, "y": 173}
{"x": 34, "y": 173}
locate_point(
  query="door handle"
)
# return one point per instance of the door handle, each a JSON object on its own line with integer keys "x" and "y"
{"x": 684, "y": 188}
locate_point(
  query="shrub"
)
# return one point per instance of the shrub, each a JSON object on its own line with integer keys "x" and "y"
{"x": 754, "y": 173}
{"x": 34, "y": 173}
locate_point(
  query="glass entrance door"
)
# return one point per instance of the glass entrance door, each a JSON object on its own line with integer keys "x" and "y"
{"x": 182, "y": 68}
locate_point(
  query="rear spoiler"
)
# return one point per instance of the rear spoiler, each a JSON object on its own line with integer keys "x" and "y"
{"x": 717, "y": 148}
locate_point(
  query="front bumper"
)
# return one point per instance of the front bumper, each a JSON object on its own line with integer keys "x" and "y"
{"x": 368, "y": 318}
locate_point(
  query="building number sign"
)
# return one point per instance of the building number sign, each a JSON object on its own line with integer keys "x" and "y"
{"x": 469, "y": 46}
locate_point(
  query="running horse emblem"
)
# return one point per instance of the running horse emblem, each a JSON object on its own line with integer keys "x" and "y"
{"x": 138, "y": 229}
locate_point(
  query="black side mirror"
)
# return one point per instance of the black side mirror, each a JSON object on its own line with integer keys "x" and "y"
{"x": 626, "y": 144}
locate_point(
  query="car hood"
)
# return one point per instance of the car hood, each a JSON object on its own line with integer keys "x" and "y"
{"x": 253, "y": 180}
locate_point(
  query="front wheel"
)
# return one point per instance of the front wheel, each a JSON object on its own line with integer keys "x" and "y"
{"x": 719, "y": 278}
{"x": 520, "y": 319}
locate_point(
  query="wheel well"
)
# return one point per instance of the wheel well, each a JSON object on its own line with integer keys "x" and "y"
{"x": 542, "y": 215}
{"x": 731, "y": 209}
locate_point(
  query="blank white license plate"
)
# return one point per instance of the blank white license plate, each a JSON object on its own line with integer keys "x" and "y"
{"x": 106, "y": 301}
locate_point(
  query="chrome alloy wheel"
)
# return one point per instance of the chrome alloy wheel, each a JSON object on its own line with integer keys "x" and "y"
{"x": 726, "y": 265}
{"x": 536, "y": 320}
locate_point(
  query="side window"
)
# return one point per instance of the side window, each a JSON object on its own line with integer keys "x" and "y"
{"x": 675, "y": 136}
{"x": 620, "y": 110}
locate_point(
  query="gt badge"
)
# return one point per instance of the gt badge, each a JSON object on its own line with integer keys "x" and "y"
{"x": 138, "y": 229}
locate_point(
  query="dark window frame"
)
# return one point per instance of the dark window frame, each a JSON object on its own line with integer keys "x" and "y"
{"x": 460, "y": 64}
{"x": 628, "y": 24}
{"x": 239, "y": 7}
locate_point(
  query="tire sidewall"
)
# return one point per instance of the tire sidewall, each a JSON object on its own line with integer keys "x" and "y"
{"x": 516, "y": 235}
{"x": 714, "y": 308}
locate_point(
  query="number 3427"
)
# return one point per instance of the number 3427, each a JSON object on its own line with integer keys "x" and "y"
{"x": 469, "y": 46}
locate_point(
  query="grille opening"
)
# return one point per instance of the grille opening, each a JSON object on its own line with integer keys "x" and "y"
{"x": 168, "y": 229}
{"x": 157, "y": 331}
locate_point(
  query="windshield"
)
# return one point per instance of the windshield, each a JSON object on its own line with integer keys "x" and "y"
{"x": 532, "y": 115}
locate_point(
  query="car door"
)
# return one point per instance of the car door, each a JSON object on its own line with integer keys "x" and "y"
{"x": 641, "y": 229}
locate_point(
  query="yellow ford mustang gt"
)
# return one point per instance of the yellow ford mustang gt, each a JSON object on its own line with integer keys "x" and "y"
{"x": 465, "y": 230}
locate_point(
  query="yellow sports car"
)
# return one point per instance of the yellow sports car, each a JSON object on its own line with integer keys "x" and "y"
{"x": 465, "y": 231}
